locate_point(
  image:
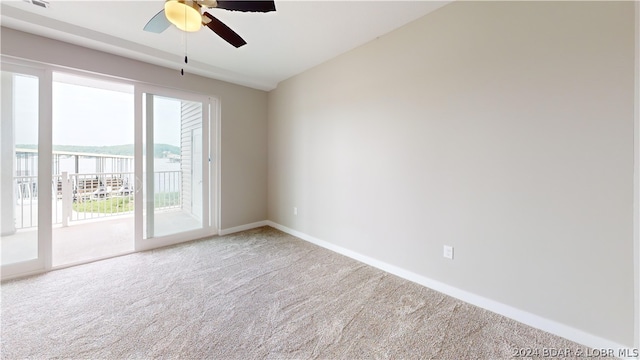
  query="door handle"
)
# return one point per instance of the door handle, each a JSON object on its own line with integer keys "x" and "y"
{"x": 138, "y": 185}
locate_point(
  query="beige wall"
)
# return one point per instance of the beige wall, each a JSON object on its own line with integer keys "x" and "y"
{"x": 243, "y": 116}
{"x": 504, "y": 129}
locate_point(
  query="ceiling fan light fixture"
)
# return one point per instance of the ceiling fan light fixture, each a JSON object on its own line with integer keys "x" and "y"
{"x": 184, "y": 14}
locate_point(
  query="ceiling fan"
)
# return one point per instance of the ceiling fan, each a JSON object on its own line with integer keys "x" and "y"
{"x": 191, "y": 15}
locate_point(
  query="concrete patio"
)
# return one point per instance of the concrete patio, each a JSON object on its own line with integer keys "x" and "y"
{"x": 87, "y": 240}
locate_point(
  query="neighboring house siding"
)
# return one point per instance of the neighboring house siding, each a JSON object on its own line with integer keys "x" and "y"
{"x": 191, "y": 120}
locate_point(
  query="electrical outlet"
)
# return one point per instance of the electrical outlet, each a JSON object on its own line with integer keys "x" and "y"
{"x": 448, "y": 252}
{"x": 295, "y": 210}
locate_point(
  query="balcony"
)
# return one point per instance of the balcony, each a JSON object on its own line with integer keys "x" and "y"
{"x": 92, "y": 213}
{"x": 80, "y": 197}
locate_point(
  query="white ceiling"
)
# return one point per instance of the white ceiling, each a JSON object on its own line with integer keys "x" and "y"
{"x": 280, "y": 44}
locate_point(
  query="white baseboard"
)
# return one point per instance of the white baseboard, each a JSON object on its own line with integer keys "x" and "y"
{"x": 244, "y": 227}
{"x": 521, "y": 316}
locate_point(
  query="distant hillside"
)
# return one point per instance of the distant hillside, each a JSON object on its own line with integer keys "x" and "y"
{"x": 124, "y": 150}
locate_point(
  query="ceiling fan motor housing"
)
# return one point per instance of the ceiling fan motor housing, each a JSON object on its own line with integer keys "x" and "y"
{"x": 184, "y": 14}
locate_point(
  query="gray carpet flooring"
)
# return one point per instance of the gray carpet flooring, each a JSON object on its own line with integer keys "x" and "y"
{"x": 259, "y": 294}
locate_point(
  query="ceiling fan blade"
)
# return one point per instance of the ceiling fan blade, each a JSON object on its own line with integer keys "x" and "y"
{"x": 158, "y": 23}
{"x": 224, "y": 31}
{"x": 254, "y": 6}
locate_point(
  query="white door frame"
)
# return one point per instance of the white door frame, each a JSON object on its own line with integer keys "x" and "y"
{"x": 211, "y": 134}
{"x": 45, "y": 83}
{"x": 210, "y": 183}
{"x": 636, "y": 180}
{"x": 196, "y": 198}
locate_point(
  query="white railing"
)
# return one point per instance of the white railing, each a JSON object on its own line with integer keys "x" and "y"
{"x": 79, "y": 197}
{"x": 168, "y": 190}
{"x": 98, "y": 195}
{"x": 26, "y": 188}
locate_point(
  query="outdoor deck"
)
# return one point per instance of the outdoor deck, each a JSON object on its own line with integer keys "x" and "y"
{"x": 92, "y": 239}
{"x": 76, "y": 243}
{"x": 92, "y": 210}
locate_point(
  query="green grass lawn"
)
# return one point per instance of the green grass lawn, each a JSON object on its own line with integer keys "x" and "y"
{"x": 114, "y": 205}
{"x": 166, "y": 199}
{"x": 106, "y": 206}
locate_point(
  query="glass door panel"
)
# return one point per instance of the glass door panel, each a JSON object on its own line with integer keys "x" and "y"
{"x": 93, "y": 141}
{"x": 25, "y": 189}
{"x": 175, "y": 170}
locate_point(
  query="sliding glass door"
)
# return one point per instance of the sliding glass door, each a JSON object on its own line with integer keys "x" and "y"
{"x": 117, "y": 167}
{"x": 175, "y": 170}
{"x": 25, "y": 180}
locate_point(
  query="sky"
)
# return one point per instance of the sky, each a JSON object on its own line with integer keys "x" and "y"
{"x": 26, "y": 109}
{"x": 90, "y": 116}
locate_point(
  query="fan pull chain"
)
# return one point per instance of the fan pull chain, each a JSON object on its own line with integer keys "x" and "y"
{"x": 184, "y": 39}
